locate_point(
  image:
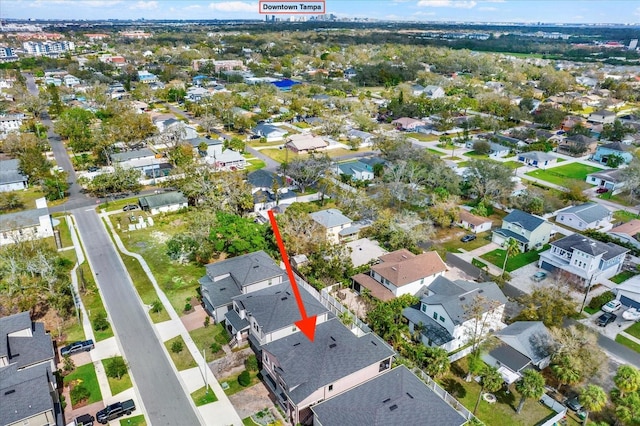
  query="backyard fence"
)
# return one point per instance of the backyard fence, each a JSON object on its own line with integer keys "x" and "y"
{"x": 444, "y": 395}
{"x": 468, "y": 268}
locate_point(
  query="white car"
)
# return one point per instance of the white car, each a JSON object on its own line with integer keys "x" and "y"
{"x": 612, "y": 306}
{"x": 631, "y": 314}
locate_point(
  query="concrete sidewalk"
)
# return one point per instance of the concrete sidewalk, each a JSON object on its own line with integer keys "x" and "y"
{"x": 216, "y": 413}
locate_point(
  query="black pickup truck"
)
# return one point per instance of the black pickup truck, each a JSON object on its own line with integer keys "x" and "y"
{"x": 85, "y": 345}
{"x": 114, "y": 411}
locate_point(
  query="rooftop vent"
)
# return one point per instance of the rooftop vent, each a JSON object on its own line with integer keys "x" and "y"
{"x": 393, "y": 407}
{"x": 256, "y": 266}
{"x": 404, "y": 256}
{"x": 374, "y": 343}
{"x": 284, "y": 298}
{"x": 462, "y": 298}
{"x": 386, "y": 400}
{"x": 223, "y": 289}
{"x": 9, "y": 392}
{"x": 409, "y": 395}
{"x": 296, "y": 344}
{"x": 333, "y": 345}
{"x": 332, "y": 338}
{"x": 481, "y": 291}
{"x": 394, "y": 268}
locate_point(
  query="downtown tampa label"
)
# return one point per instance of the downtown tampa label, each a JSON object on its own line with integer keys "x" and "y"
{"x": 292, "y": 7}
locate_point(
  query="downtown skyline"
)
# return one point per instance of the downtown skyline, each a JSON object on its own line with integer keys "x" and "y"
{"x": 525, "y": 11}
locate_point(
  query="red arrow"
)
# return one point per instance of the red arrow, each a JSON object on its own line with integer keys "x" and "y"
{"x": 307, "y": 324}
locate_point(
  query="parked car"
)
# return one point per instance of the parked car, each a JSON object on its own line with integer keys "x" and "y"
{"x": 129, "y": 207}
{"x": 612, "y": 306}
{"x": 468, "y": 238}
{"x": 83, "y": 420}
{"x": 85, "y": 345}
{"x": 602, "y": 190}
{"x": 539, "y": 276}
{"x": 606, "y": 319}
{"x": 574, "y": 404}
{"x": 113, "y": 411}
{"x": 93, "y": 169}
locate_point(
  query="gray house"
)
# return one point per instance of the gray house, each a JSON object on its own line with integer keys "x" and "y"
{"x": 165, "y": 202}
{"x": 229, "y": 278}
{"x": 11, "y": 178}
{"x": 522, "y": 345}
{"x": 396, "y": 397}
{"x": 586, "y": 216}
{"x": 531, "y": 232}
{"x": 537, "y": 159}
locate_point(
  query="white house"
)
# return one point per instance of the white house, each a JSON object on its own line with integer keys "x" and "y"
{"x": 445, "y": 319}
{"x": 537, "y": 159}
{"x": 196, "y": 94}
{"x": 337, "y": 226}
{"x": 26, "y": 225}
{"x": 400, "y": 272}
{"x": 269, "y": 131}
{"x": 164, "y": 202}
{"x": 356, "y": 170}
{"x": 11, "y": 122}
{"x": 586, "y": 259}
{"x": 612, "y": 180}
{"x": 585, "y": 216}
{"x": 629, "y": 292}
{"x": 473, "y": 223}
{"x": 627, "y": 232}
{"x": 71, "y": 80}
{"x": 11, "y": 178}
{"x": 602, "y": 117}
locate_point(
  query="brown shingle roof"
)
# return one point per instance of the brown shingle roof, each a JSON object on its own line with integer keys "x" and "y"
{"x": 377, "y": 290}
{"x": 410, "y": 269}
{"x": 630, "y": 228}
{"x": 474, "y": 220}
{"x": 397, "y": 256}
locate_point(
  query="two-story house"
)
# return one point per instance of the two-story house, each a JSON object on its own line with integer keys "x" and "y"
{"x": 604, "y": 152}
{"x": 586, "y": 259}
{"x": 266, "y": 315}
{"x": 28, "y": 387}
{"x": 400, "y": 272}
{"x": 447, "y": 318}
{"x": 301, "y": 373}
{"x": 229, "y": 278}
{"x": 585, "y": 216}
{"x": 395, "y": 397}
{"x": 268, "y": 190}
{"x": 521, "y": 345}
{"x": 337, "y": 226}
{"x": 213, "y": 153}
{"x": 602, "y": 117}
{"x": 531, "y": 232}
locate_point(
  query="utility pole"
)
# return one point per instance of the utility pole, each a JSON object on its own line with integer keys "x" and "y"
{"x": 586, "y": 294}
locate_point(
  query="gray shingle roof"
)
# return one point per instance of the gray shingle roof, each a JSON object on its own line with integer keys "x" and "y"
{"x": 530, "y": 338}
{"x": 589, "y": 246}
{"x": 246, "y": 269}
{"x": 396, "y": 397}
{"x": 30, "y": 394}
{"x": 510, "y": 357}
{"x": 613, "y": 175}
{"x": 330, "y": 218}
{"x": 195, "y": 142}
{"x": 12, "y": 176}
{"x": 129, "y": 155}
{"x": 537, "y": 156}
{"x": 263, "y": 179}
{"x": 334, "y": 354}
{"x": 161, "y": 200}
{"x": 510, "y": 234}
{"x": 616, "y": 146}
{"x": 22, "y": 219}
{"x": 433, "y": 331}
{"x": 275, "y": 307}
{"x": 24, "y": 351}
{"x": 525, "y": 220}
{"x": 221, "y": 292}
{"x": 588, "y": 212}
{"x": 238, "y": 323}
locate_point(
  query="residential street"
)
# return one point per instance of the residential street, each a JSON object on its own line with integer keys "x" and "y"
{"x": 162, "y": 394}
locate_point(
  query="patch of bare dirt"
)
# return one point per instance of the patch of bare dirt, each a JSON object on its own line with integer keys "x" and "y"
{"x": 160, "y": 237}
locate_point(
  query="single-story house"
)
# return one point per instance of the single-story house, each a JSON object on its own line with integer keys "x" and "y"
{"x": 11, "y": 178}
{"x": 407, "y": 123}
{"x": 196, "y": 94}
{"x": 357, "y": 170}
{"x": 365, "y": 138}
{"x": 26, "y": 225}
{"x": 164, "y": 202}
{"x": 603, "y": 152}
{"x": 585, "y": 216}
{"x": 303, "y": 143}
{"x": 629, "y": 292}
{"x": 521, "y": 345}
{"x": 537, "y": 159}
{"x": 498, "y": 151}
{"x": 627, "y": 232}
{"x": 473, "y": 223}
{"x": 269, "y": 131}
{"x": 602, "y": 117}
{"x": 612, "y": 180}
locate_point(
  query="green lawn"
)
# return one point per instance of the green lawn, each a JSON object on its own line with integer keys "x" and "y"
{"x": 65, "y": 233}
{"x": 201, "y": 397}
{"x": 118, "y": 385}
{"x": 623, "y": 276}
{"x": 634, "y": 330}
{"x": 134, "y": 421}
{"x": 255, "y": 165}
{"x": 436, "y": 152}
{"x": 513, "y": 164}
{"x": 178, "y": 281}
{"x": 183, "y": 359}
{"x": 203, "y": 338}
{"x": 628, "y": 343}
{"x": 422, "y": 137}
{"x": 474, "y": 154}
{"x": 454, "y": 243}
{"x": 92, "y": 300}
{"x": 622, "y": 198}
{"x": 475, "y": 262}
{"x": 86, "y": 375}
{"x": 234, "y": 386}
{"x": 559, "y": 175}
{"x": 452, "y": 158}
{"x": 249, "y": 422}
{"x": 144, "y": 287}
{"x": 463, "y": 164}
{"x": 72, "y": 331}
{"x": 624, "y": 216}
{"x": 496, "y": 257}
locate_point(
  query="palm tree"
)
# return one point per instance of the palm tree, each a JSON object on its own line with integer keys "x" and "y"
{"x": 627, "y": 379}
{"x": 530, "y": 386}
{"x": 593, "y": 398}
{"x": 491, "y": 381}
{"x": 512, "y": 248}
{"x": 566, "y": 371}
{"x": 436, "y": 362}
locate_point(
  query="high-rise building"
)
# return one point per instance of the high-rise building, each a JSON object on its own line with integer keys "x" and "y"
{"x": 633, "y": 44}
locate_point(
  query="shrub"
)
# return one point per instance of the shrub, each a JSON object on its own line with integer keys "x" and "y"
{"x": 187, "y": 307}
{"x": 67, "y": 364}
{"x": 215, "y": 348}
{"x": 207, "y": 321}
{"x": 157, "y": 306}
{"x": 177, "y": 346}
{"x": 597, "y": 301}
{"x": 100, "y": 322}
{"x": 244, "y": 379}
{"x": 79, "y": 393}
{"x": 115, "y": 368}
{"x": 251, "y": 363}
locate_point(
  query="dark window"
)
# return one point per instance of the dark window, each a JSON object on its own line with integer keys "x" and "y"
{"x": 330, "y": 388}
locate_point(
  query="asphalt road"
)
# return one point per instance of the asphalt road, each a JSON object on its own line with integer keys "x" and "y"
{"x": 163, "y": 397}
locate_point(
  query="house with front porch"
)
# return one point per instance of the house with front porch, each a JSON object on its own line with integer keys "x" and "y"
{"x": 537, "y": 159}
{"x": 300, "y": 373}
{"x": 445, "y": 318}
{"x": 531, "y": 232}
{"x": 232, "y": 277}
{"x": 266, "y": 315}
{"x": 400, "y": 272}
{"x": 337, "y": 226}
{"x": 585, "y": 259}
{"x": 586, "y": 216}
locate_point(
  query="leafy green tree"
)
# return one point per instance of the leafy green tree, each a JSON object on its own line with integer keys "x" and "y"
{"x": 244, "y": 379}
{"x": 616, "y": 131}
{"x": 489, "y": 180}
{"x": 491, "y": 381}
{"x": 436, "y": 361}
{"x": 236, "y": 235}
{"x": 627, "y": 379}
{"x": 55, "y": 104}
{"x": 74, "y": 124}
{"x": 306, "y": 172}
{"x": 615, "y": 160}
{"x": 120, "y": 180}
{"x": 550, "y": 305}
{"x": 530, "y": 386}
{"x": 34, "y": 164}
{"x": 386, "y": 318}
{"x": 10, "y": 201}
{"x": 549, "y": 116}
{"x": 628, "y": 409}
{"x": 565, "y": 370}
{"x": 482, "y": 147}
{"x": 115, "y": 367}
{"x": 593, "y": 398}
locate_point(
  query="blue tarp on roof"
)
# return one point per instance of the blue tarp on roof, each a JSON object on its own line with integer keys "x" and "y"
{"x": 285, "y": 84}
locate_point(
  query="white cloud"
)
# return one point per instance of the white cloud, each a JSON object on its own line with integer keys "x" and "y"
{"x": 458, "y": 4}
{"x": 192, "y": 7}
{"x": 144, "y": 5}
{"x": 80, "y": 3}
{"x": 637, "y": 12}
{"x": 234, "y": 6}
{"x": 488, "y": 9}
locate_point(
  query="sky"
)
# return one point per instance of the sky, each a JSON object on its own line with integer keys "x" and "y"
{"x": 546, "y": 11}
